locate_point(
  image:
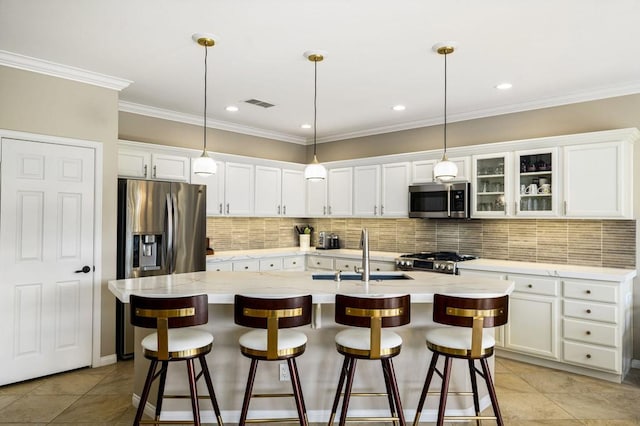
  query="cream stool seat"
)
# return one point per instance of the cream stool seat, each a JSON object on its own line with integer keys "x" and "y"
{"x": 360, "y": 340}
{"x": 288, "y": 340}
{"x": 456, "y": 338}
{"x": 180, "y": 341}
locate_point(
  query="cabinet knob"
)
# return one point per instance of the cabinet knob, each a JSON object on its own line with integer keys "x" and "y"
{"x": 530, "y": 285}
{"x": 588, "y": 291}
{"x": 588, "y": 356}
{"x": 246, "y": 267}
{"x": 294, "y": 262}
{"x": 588, "y": 311}
{"x": 218, "y": 270}
{"x": 378, "y": 269}
{"x": 588, "y": 333}
{"x": 271, "y": 265}
{"x": 317, "y": 263}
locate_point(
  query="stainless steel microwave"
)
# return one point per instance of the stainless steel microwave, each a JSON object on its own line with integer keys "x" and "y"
{"x": 440, "y": 200}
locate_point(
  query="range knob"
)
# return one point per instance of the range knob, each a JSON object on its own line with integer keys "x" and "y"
{"x": 450, "y": 267}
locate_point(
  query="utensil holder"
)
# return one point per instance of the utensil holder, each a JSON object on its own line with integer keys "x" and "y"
{"x": 305, "y": 241}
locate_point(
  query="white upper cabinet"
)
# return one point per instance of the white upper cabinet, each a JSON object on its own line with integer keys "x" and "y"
{"x": 293, "y": 193}
{"x": 491, "y": 194}
{"x": 395, "y": 190}
{"x": 598, "y": 179}
{"x": 422, "y": 170}
{"x": 316, "y": 198}
{"x": 239, "y": 189}
{"x": 268, "y": 191}
{"x": 143, "y": 164}
{"x": 366, "y": 191}
{"x": 215, "y": 189}
{"x": 536, "y": 182}
{"x": 279, "y": 192}
{"x": 340, "y": 192}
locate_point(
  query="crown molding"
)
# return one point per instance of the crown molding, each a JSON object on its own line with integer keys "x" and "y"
{"x": 53, "y": 69}
{"x": 181, "y": 117}
{"x": 628, "y": 88}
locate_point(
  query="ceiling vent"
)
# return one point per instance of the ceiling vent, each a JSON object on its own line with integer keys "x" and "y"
{"x": 259, "y": 103}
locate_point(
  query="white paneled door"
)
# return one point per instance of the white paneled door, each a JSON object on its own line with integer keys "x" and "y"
{"x": 46, "y": 258}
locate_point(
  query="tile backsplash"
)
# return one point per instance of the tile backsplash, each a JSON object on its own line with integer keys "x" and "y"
{"x": 609, "y": 243}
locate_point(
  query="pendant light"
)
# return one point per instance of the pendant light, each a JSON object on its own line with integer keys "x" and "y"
{"x": 445, "y": 170}
{"x": 315, "y": 170}
{"x": 205, "y": 165}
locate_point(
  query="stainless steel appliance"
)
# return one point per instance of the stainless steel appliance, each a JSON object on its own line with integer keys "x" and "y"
{"x": 440, "y": 200}
{"x": 161, "y": 230}
{"x": 327, "y": 241}
{"x": 443, "y": 261}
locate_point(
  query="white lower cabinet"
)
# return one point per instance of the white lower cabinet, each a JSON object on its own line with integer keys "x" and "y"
{"x": 271, "y": 264}
{"x": 251, "y": 265}
{"x": 220, "y": 266}
{"x": 319, "y": 263}
{"x": 293, "y": 263}
{"x": 578, "y": 325}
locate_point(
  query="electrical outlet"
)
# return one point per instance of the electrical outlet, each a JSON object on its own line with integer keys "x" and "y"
{"x": 284, "y": 373}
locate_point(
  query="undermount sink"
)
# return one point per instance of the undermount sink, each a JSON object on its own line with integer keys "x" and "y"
{"x": 357, "y": 277}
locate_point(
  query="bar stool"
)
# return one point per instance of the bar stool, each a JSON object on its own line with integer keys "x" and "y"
{"x": 468, "y": 340}
{"x": 369, "y": 341}
{"x": 272, "y": 341}
{"x": 174, "y": 340}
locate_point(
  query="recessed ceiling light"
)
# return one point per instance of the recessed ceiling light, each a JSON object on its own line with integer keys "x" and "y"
{"x": 232, "y": 108}
{"x": 305, "y": 126}
{"x": 399, "y": 107}
{"x": 504, "y": 86}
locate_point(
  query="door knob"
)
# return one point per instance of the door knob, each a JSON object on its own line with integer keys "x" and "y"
{"x": 85, "y": 269}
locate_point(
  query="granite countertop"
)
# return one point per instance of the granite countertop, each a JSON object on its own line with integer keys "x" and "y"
{"x": 222, "y": 286}
{"x": 549, "y": 269}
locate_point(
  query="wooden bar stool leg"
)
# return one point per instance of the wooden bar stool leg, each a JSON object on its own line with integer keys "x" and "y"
{"x": 304, "y": 407}
{"x": 395, "y": 392}
{"x": 474, "y": 388}
{"x": 390, "y": 395}
{"x": 347, "y": 391}
{"x": 248, "y": 391}
{"x": 212, "y": 393}
{"x": 445, "y": 389}
{"x": 145, "y": 391}
{"x": 336, "y": 399}
{"x": 161, "y": 384}
{"x": 297, "y": 390}
{"x": 492, "y": 391}
{"x": 193, "y": 391}
{"x": 425, "y": 388}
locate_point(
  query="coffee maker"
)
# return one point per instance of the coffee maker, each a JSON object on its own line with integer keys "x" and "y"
{"x": 327, "y": 241}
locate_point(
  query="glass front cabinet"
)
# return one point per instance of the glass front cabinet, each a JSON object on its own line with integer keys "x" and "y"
{"x": 536, "y": 193}
{"x": 491, "y": 187}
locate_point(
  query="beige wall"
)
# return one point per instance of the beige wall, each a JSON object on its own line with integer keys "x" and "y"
{"x": 141, "y": 128}
{"x": 605, "y": 114}
{"x": 36, "y": 103}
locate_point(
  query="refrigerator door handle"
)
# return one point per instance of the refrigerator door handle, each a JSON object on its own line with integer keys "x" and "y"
{"x": 170, "y": 236}
{"x": 174, "y": 246}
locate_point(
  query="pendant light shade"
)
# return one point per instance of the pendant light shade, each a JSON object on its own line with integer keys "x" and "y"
{"x": 205, "y": 165}
{"x": 445, "y": 170}
{"x": 315, "y": 170}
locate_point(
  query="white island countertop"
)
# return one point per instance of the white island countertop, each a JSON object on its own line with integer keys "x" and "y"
{"x": 221, "y": 287}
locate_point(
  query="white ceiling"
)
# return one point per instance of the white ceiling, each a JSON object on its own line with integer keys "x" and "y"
{"x": 378, "y": 55}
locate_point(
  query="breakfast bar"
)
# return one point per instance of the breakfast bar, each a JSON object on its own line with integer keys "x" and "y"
{"x": 320, "y": 364}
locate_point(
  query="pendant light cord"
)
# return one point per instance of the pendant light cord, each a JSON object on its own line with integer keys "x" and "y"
{"x": 445, "y": 103}
{"x": 204, "y": 149}
{"x": 315, "y": 103}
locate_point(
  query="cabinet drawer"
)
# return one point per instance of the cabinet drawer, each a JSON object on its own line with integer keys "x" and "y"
{"x": 296, "y": 263}
{"x": 272, "y": 264}
{"x": 587, "y": 290}
{"x": 535, "y": 285}
{"x": 590, "y": 332}
{"x": 591, "y": 311}
{"x": 246, "y": 266}
{"x": 592, "y": 356}
{"x": 346, "y": 265}
{"x": 219, "y": 266}
{"x": 318, "y": 262}
{"x": 382, "y": 266}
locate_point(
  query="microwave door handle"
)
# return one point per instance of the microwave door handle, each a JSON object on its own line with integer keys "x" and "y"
{"x": 449, "y": 202}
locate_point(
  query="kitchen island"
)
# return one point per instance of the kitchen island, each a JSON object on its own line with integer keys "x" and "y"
{"x": 320, "y": 365}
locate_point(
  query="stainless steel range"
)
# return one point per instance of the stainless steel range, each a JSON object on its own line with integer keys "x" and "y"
{"x": 442, "y": 261}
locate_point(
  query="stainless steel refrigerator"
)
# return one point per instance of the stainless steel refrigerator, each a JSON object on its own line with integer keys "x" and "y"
{"x": 161, "y": 230}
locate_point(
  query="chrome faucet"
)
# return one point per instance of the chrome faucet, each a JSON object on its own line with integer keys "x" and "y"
{"x": 364, "y": 245}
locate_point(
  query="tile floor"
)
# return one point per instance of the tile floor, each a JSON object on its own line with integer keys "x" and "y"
{"x": 528, "y": 395}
